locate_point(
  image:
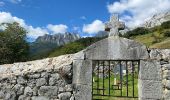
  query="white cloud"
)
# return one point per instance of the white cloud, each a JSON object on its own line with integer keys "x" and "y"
{"x": 57, "y": 28}
{"x": 6, "y": 17}
{"x": 2, "y": 3}
{"x": 83, "y": 17}
{"x": 138, "y": 10}
{"x": 15, "y": 1}
{"x": 76, "y": 28}
{"x": 94, "y": 27}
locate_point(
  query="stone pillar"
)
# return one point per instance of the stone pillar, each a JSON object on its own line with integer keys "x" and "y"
{"x": 82, "y": 79}
{"x": 150, "y": 80}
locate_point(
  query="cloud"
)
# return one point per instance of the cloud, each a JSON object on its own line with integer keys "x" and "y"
{"x": 2, "y": 3}
{"x": 57, "y": 28}
{"x": 83, "y": 17}
{"x": 33, "y": 32}
{"x": 135, "y": 12}
{"x": 76, "y": 28}
{"x": 94, "y": 27}
{"x": 6, "y": 17}
{"x": 15, "y": 1}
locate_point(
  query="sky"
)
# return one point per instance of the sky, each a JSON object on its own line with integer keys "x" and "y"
{"x": 85, "y": 17}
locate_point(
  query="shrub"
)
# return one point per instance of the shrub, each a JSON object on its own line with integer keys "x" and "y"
{"x": 166, "y": 25}
{"x": 137, "y": 31}
{"x": 167, "y": 33}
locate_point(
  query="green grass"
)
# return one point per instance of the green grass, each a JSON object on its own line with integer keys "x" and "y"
{"x": 115, "y": 93}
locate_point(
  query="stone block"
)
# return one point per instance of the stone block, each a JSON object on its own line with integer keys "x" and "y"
{"x": 82, "y": 70}
{"x": 39, "y": 98}
{"x": 82, "y": 92}
{"x": 10, "y": 95}
{"x": 41, "y": 82}
{"x": 54, "y": 79}
{"x": 34, "y": 75}
{"x": 19, "y": 89}
{"x": 68, "y": 88}
{"x": 167, "y": 95}
{"x": 116, "y": 48}
{"x": 166, "y": 66}
{"x": 150, "y": 89}
{"x": 28, "y": 91}
{"x": 24, "y": 97}
{"x": 167, "y": 85}
{"x": 31, "y": 82}
{"x": 64, "y": 96}
{"x": 21, "y": 80}
{"x": 48, "y": 91}
{"x": 150, "y": 70}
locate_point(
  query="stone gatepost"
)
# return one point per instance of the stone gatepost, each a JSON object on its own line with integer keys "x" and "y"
{"x": 150, "y": 80}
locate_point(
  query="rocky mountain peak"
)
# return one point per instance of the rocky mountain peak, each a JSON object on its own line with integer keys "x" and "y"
{"x": 157, "y": 19}
{"x": 60, "y": 38}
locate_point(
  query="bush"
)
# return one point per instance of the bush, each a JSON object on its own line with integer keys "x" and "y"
{"x": 167, "y": 33}
{"x": 166, "y": 25}
{"x": 137, "y": 31}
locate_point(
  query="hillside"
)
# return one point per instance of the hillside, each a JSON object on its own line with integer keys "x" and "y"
{"x": 156, "y": 37}
{"x": 47, "y": 43}
{"x": 74, "y": 47}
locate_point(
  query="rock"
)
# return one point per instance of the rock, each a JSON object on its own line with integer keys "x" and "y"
{"x": 168, "y": 84}
{"x": 28, "y": 91}
{"x": 68, "y": 88}
{"x": 35, "y": 91}
{"x": 10, "y": 95}
{"x": 19, "y": 89}
{"x": 48, "y": 91}
{"x": 157, "y": 19}
{"x": 1, "y": 94}
{"x": 24, "y": 97}
{"x": 60, "y": 89}
{"x": 39, "y": 98}
{"x": 166, "y": 66}
{"x": 41, "y": 82}
{"x": 59, "y": 39}
{"x": 45, "y": 75}
{"x": 21, "y": 80}
{"x": 64, "y": 96}
{"x": 32, "y": 83}
{"x": 34, "y": 76}
{"x": 54, "y": 78}
{"x": 72, "y": 97}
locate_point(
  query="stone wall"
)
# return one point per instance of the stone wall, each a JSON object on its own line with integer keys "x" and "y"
{"x": 154, "y": 76}
{"x": 69, "y": 77}
{"x": 47, "y": 79}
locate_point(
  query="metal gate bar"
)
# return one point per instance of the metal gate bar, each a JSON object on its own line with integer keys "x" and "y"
{"x": 104, "y": 69}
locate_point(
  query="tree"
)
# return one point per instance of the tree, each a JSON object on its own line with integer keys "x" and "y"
{"x": 13, "y": 44}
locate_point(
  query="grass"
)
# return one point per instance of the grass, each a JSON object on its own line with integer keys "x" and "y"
{"x": 115, "y": 93}
{"x": 154, "y": 40}
{"x": 164, "y": 44}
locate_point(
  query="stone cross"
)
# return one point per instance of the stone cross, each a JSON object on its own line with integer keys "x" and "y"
{"x": 114, "y": 25}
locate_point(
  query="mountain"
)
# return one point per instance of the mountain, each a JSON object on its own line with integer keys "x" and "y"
{"x": 102, "y": 34}
{"x": 157, "y": 19}
{"x": 59, "y": 39}
{"x": 45, "y": 44}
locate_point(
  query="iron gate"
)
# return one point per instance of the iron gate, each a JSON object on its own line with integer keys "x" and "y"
{"x": 115, "y": 78}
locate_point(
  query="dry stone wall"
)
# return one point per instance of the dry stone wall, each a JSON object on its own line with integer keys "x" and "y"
{"x": 69, "y": 77}
{"x": 154, "y": 76}
{"x": 48, "y": 79}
